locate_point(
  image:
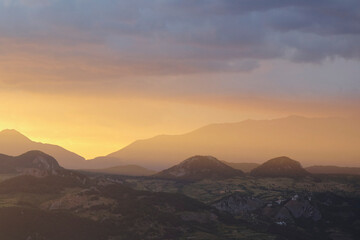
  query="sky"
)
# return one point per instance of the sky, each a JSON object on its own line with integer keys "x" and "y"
{"x": 94, "y": 76}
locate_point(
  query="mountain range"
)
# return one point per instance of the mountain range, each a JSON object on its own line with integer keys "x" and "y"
{"x": 314, "y": 141}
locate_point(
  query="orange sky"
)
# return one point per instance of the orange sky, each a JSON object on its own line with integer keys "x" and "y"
{"x": 93, "y": 126}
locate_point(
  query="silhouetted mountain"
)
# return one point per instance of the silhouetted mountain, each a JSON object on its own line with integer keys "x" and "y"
{"x": 333, "y": 170}
{"x": 199, "y": 167}
{"x": 14, "y": 143}
{"x": 245, "y": 167}
{"x": 33, "y": 163}
{"x": 313, "y": 140}
{"x": 129, "y": 170}
{"x": 280, "y": 167}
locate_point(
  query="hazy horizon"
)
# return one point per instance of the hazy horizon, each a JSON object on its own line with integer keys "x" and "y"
{"x": 301, "y": 138}
{"x": 44, "y": 139}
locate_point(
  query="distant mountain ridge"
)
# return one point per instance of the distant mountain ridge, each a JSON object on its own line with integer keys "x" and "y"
{"x": 198, "y": 168}
{"x": 14, "y": 143}
{"x": 311, "y": 140}
{"x": 314, "y": 141}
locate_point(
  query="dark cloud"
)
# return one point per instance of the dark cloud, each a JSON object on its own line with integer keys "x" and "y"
{"x": 186, "y": 36}
{"x": 206, "y": 31}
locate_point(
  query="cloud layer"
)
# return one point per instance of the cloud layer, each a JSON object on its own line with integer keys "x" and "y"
{"x": 170, "y": 37}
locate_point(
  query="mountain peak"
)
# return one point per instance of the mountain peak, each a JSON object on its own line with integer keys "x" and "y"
{"x": 12, "y": 135}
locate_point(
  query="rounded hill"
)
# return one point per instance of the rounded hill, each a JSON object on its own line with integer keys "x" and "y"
{"x": 198, "y": 168}
{"x": 280, "y": 167}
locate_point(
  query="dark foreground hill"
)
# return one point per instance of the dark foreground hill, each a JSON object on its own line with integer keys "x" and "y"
{"x": 198, "y": 168}
{"x": 280, "y": 167}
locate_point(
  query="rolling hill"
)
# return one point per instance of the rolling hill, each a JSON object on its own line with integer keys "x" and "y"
{"x": 198, "y": 168}
{"x": 280, "y": 167}
{"x": 313, "y": 141}
{"x": 14, "y": 143}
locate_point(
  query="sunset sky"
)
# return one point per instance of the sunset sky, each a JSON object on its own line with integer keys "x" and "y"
{"x": 93, "y": 76}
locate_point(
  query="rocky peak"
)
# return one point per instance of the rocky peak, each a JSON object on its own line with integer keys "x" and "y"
{"x": 11, "y": 135}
